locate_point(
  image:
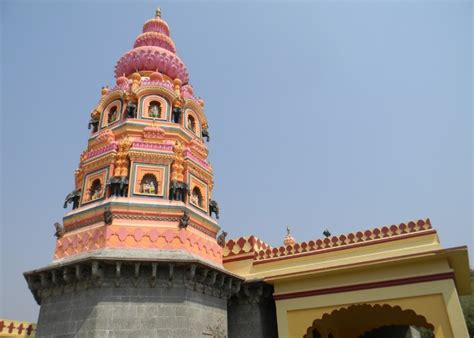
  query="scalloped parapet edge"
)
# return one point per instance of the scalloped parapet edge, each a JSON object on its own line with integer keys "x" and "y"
{"x": 244, "y": 246}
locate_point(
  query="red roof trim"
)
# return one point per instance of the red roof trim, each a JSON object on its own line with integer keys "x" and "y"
{"x": 365, "y": 286}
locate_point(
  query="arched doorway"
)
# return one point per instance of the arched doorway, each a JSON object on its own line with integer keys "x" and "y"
{"x": 368, "y": 321}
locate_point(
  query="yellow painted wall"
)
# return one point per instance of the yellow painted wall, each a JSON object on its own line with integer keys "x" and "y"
{"x": 436, "y": 301}
{"x": 418, "y": 256}
{"x": 331, "y": 259}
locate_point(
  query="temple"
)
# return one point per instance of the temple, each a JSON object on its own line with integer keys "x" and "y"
{"x": 141, "y": 253}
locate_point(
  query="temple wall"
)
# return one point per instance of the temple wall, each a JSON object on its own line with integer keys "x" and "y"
{"x": 252, "y": 313}
{"x": 166, "y": 310}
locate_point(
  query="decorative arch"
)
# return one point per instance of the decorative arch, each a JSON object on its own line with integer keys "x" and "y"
{"x": 149, "y": 184}
{"x": 112, "y": 113}
{"x": 356, "y": 320}
{"x": 96, "y": 189}
{"x": 158, "y": 90}
{"x": 146, "y": 110}
{"x": 197, "y": 197}
{"x": 113, "y": 95}
{"x": 197, "y": 109}
{"x": 192, "y": 122}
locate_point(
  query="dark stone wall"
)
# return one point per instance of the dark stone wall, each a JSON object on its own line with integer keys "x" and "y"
{"x": 252, "y": 312}
{"x": 133, "y": 307}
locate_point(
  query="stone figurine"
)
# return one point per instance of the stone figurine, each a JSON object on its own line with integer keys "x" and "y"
{"x": 221, "y": 239}
{"x": 73, "y": 197}
{"x": 205, "y": 134}
{"x": 112, "y": 115}
{"x": 154, "y": 110}
{"x": 131, "y": 110}
{"x": 178, "y": 191}
{"x": 94, "y": 124}
{"x": 176, "y": 114}
{"x": 213, "y": 208}
{"x": 184, "y": 220}
{"x": 118, "y": 185}
{"x": 59, "y": 230}
{"x": 108, "y": 216}
{"x": 195, "y": 199}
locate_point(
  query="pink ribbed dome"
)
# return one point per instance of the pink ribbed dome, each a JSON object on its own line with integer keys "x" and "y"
{"x": 156, "y": 25}
{"x": 153, "y": 50}
{"x": 155, "y": 39}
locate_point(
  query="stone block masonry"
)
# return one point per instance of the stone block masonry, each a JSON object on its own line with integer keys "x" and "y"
{"x": 130, "y": 299}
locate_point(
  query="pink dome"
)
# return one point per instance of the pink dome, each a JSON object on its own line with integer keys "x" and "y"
{"x": 155, "y": 39}
{"x": 156, "y": 25}
{"x": 153, "y": 50}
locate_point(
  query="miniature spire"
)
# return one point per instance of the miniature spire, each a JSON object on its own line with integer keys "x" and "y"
{"x": 158, "y": 12}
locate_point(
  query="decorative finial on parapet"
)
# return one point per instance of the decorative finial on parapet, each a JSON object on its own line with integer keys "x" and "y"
{"x": 289, "y": 239}
{"x": 158, "y": 12}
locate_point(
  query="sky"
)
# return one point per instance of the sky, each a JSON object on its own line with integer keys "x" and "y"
{"x": 343, "y": 115}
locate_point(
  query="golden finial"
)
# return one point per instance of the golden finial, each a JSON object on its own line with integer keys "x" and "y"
{"x": 158, "y": 13}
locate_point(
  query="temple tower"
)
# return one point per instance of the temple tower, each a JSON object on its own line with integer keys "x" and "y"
{"x": 137, "y": 255}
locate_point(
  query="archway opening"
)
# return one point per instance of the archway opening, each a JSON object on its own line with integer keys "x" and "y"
{"x": 191, "y": 123}
{"x": 154, "y": 109}
{"x": 95, "y": 190}
{"x": 196, "y": 197}
{"x": 112, "y": 116}
{"x": 149, "y": 184}
{"x": 369, "y": 321}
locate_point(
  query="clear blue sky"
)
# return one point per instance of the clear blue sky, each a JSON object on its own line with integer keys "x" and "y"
{"x": 343, "y": 115}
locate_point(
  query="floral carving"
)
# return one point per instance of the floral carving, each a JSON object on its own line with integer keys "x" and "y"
{"x": 177, "y": 168}
{"x": 153, "y": 132}
{"x": 198, "y": 147}
{"x": 122, "y": 161}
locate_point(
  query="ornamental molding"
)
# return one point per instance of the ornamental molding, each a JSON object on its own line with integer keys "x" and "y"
{"x": 163, "y": 88}
{"x": 107, "y": 273}
{"x": 197, "y": 106}
{"x": 78, "y": 224}
{"x": 72, "y": 225}
{"x": 262, "y": 253}
{"x": 99, "y": 162}
{"x": 151, "y": 157}
{"x": 189, "y": 155}
{"x": 198, "y": 172}
{"x": 244, "y": 245}
{"x": 140, "y": 144}
{"x": 88, "y": 156}
{"x": 153, "y": 132}
{"x": 198, "y": 148}
{"x": 252, "y": 293}
{"x": 104, "y": 138}
{"x": 110, "y": 95}
{"x": 135, "y": 237}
